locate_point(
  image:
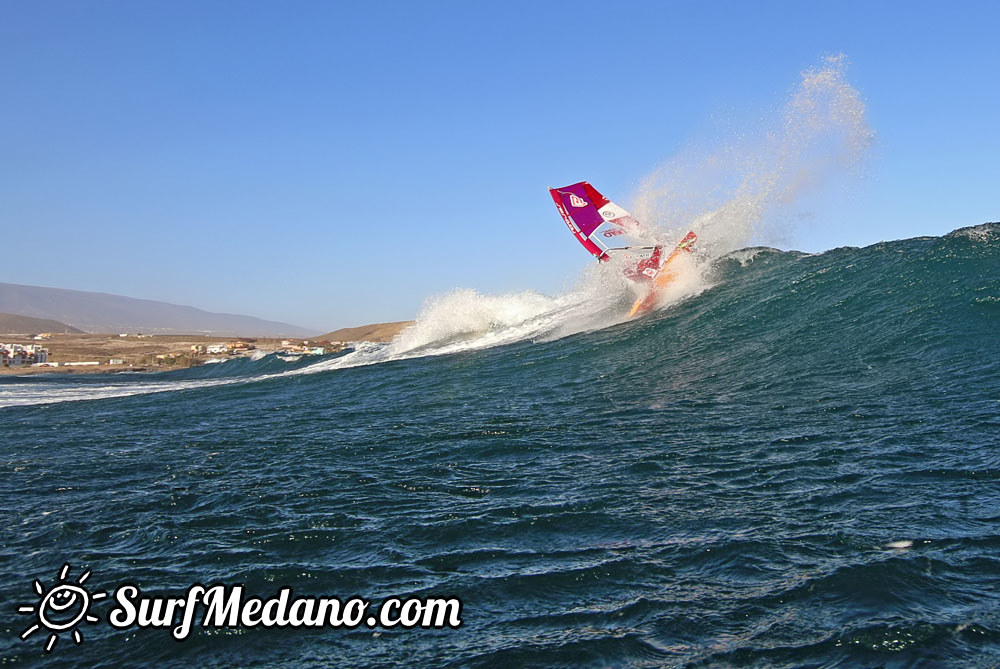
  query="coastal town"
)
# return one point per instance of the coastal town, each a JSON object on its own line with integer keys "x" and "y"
{"x": 30, "y": 353}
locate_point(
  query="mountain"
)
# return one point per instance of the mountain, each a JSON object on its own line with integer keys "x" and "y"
{"x": 16, "y": 324}
{"x": 374, "y": 332}
{"x": 106, "y": 313}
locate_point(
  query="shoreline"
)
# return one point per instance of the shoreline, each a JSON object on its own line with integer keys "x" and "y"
{"x": 149, "y": 353}
{"x": 33, "y": 370}
{"x": 162, "y": 353}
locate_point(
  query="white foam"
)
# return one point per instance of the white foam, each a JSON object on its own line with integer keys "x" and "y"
{"x": 745, "y": 256}
{"x": 51, "y": 393}
{"x": 983, "y": 233}
{"x": 899, "y": 545}
{"x": 466, "y": 320}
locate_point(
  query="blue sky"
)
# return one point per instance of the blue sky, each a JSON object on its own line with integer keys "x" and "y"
{"x": 331, "y": 164}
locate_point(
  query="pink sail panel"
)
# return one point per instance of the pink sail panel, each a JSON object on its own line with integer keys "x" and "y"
{"x": 578, "y": 205}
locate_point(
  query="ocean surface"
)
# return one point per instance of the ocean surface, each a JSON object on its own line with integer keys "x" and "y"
{"x": 795, "y": 462}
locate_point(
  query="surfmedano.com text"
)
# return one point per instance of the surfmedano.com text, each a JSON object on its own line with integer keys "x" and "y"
{"x": 224, "y": 606}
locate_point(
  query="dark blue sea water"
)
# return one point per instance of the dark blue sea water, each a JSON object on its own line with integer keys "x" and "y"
{"x": 797, "y": 466}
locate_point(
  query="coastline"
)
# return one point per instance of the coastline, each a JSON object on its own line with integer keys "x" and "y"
{"x": 85, "y": 353}
{"x": 32, "y": 370}
{"x": 93, "y": 353}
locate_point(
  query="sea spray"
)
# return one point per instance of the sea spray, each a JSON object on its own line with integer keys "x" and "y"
{"x": 466, "y": 319}
{"x": 729, "y": 194}
{"x": 725, "y": 195}
{"x": 466, "y": 313}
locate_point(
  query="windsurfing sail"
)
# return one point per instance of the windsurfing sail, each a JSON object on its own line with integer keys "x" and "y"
{"x": 604, "y": 228}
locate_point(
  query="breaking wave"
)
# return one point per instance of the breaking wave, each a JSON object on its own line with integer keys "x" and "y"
{"x": 743, "y": 284}
{"x": 728, "y": 192}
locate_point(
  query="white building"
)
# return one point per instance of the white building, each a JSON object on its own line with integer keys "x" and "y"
{"x": 17, "y": 354}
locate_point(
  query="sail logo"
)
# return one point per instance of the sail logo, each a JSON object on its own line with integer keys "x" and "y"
{"x": 577, "y": 201}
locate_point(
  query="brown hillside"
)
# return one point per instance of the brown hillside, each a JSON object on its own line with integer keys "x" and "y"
{"x": 14, "y": 324}
{"x": 374, "y": 332}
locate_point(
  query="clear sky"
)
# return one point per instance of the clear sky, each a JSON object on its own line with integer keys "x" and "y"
{"x": 332, "y": 163}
